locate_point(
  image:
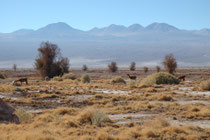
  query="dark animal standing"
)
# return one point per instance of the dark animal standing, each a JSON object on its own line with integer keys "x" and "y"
{"x": 181, "y": 78}
{"x": 21, "y": 80}
{"x": 132, "y": 77}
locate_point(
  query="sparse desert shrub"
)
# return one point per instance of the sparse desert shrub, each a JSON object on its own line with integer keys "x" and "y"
{"x": 159, "y": 78}
{"x": 113, "y": 67}
{"x": 85, "y": 78}
{"x": 205, "y": 85}
{"x": 94, "y": 117}
{"x": 133, "y": 66}
{"x": 84, "y": 68}
{"x": 2, "y": 76}
{"x": 57, "y": 78}
{"x": 157, "y": 68}
{"x": 23, "y": 116}
{"x": 170, "y": 63}
{"x": 69, "y": 76}
{"x": 118, "y": 80}
{"x": 146, "y": 69}
{"x": 50, "y": 62}
{"x": 164, "y": 97}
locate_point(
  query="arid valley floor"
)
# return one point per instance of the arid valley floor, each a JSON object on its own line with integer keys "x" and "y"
{"x": 69, "y": 109}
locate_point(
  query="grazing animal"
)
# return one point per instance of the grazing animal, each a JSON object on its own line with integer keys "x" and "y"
{"x": 21, "y": 80}
{"x": 132, "y": 77}
{"x": 181, "y": 78}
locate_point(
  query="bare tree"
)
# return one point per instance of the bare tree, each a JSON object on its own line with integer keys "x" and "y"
{"x": 133, "y": 66}
{"x": 113, "y": 67}
{"x": 158, "y": 68}
{"x": 14, "y": 67}
{"x": 146, "y": 69}
{"x": 84, "y": 68}
{"x": 170, "y": 63}
{"x": 50, "y": 63}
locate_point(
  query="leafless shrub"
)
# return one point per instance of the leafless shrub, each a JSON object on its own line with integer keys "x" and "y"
{"x": 14, "y": 67}
{"x": 84, "y": 68}
{"x": 50, "y": 63}
{"x": 146, "y": 69}
{"x": 113, "y": 67}
{"x": 133, "y": 66}
{"x": 170, "y": 63}
{"x": 158, "y": 68}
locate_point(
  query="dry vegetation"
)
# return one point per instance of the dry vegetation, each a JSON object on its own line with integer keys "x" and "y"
{"x": 102, "y": 105}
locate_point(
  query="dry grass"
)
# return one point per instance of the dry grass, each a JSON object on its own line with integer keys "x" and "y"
{"x": 88, "y": 118}
{"x": 94, "y": 117}
{"x": 159, "y": 78}
{"x": 23, "y": 115}
{"x": 118, "y": 80}
{"x": 164, "y": 97}
{"x": 57, "y": 78}
{"x": 69, "y": 76}
{"x": 205, "y": 85}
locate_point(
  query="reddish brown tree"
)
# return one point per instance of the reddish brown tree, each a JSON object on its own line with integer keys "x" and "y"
{"x": 133, "y": 66}
{"x": 170, "y": 63}
{"x": 50, "y": 62}
{"x": 113, "y": 67}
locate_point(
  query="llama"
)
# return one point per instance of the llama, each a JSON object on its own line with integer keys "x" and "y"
{"x": 181, "y": 78}
{"x": 21, "y": 80}
{"x": 132, "y": 77}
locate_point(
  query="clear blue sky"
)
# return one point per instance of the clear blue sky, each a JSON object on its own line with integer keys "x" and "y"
{"x": 86, "y": 14}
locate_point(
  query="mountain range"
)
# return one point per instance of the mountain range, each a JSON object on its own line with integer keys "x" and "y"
{"x": 112, "y": 43}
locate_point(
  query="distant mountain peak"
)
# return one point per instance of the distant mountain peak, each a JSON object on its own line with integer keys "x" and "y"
{"x": 164, "y": 27}
{"x": 135, "y": 27}
{"x": 114, "y": 27}
{"x": 59, "y": 26}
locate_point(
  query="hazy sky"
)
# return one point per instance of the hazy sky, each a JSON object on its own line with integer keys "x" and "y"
{"x": 86, "y": 14}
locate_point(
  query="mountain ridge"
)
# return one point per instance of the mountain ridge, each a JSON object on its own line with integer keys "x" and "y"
{"x": 155, "y": 25}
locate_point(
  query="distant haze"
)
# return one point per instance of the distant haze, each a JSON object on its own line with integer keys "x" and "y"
{"x": 99, "y": 46}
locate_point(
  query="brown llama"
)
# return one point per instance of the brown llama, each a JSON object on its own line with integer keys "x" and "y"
{"x": 132, "y": 77}
{"x": 181, "y": 78}
{"x": 21, "y": 80}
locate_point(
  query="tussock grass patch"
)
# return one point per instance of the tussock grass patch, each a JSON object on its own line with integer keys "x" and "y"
{"x": 94, "y": 117}
{"x": 23, "y": 116}
{"x": 205, "y": 85}
{"x": 159, "y": 78}
{"x": 118, "y": 80}
{"x": 69, "y": 76}
{"x": 57, "y": 78}
{"x": 164, "y": 97}
{"x": 85, "y": 78}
